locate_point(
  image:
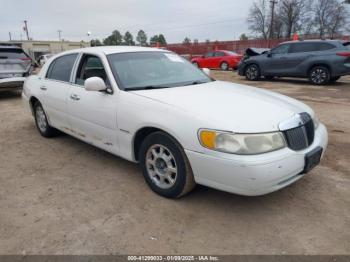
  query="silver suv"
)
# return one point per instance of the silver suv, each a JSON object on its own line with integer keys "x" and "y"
{"x": 15, "y": 65}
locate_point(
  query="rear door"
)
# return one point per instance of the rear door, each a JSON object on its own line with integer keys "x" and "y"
{"x": 54, "y": 90}
{"x": 299, "y": 53}
{"x": 93, "y": 115}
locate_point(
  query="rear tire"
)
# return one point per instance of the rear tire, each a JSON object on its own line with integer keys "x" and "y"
{"x": 319, "y": 75}
{"x": 252, "y": 72}
{"x": 41, "y": 122}
{"x": 224, "y": 66}
{"x": 165, "y": 166}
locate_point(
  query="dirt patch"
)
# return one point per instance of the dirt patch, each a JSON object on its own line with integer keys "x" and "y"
{"x": 62, "y": 196}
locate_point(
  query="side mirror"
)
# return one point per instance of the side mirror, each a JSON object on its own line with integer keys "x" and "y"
{"x": 95, "y": 84}
{"x": 206, "y": 71}
{"x": 269, "y": 54}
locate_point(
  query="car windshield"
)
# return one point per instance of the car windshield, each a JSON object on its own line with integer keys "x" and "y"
{"x": 147, "y": 70}
{"x": 7, "y": 53}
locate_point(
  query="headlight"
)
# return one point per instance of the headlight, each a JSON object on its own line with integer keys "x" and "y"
{"x": 241, "y": 144}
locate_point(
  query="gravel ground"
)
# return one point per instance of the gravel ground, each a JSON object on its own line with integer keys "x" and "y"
{"x": 62, "y": 196}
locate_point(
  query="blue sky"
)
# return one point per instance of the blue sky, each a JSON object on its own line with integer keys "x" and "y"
{"x": 176, "y": 19}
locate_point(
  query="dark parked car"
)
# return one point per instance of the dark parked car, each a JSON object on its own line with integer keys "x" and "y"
{"x": 322, "y": 61}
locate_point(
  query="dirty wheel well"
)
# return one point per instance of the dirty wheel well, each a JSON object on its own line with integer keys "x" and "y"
{"x": 32, "y": 102}
{"x": 320, "y": 64}
{"x": 141, "y": 135}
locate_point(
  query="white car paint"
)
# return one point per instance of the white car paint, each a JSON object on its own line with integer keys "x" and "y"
{"x": 110, "y": 122}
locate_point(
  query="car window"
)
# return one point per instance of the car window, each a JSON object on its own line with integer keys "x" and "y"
{"x": 324, "y": 46}
{"x": 90, "y": 66}
{"x": 219, "y": 54}
{"x": 309, "y": 47}
{"x": 61, "y": 68}
{"x": 15, "y": 53}
{"x": 210, "y": 54}
{"x": 139, "y": 70}
{"x": 232, "y": 53}
{"x": 282, "y": 49}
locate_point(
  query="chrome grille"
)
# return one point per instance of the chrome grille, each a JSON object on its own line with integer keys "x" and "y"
{"x": 301, "y": 137}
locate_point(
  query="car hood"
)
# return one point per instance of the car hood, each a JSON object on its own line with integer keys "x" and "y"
{"x": 230, "y": 107}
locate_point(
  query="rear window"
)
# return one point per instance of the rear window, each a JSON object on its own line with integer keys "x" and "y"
{"x": 310, "y": 47}
{"x": 61, "y": 68}
{"x": 219, "y": 54}
{"x": 6, "y": 53}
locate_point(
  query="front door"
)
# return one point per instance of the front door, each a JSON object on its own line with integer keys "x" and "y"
{"x": 208, "y": 60}
{"x": 276, "y": 62}
{"x": 93, "y": 115}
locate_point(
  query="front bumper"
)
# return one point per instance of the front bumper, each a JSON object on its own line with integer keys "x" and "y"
{"x": 253, "y": 175}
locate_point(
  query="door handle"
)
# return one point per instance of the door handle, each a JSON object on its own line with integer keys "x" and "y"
{"x": 75, "y": 97}
{"x": 44, "y": 88}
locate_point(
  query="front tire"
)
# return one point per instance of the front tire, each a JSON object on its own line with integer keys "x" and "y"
{"x": 319, "y": 75}
{"x": 252, "y": 72}
{"x": 224, "y": 66}
{"x": 41, "y": 122}
{"x": 165, "y": 166}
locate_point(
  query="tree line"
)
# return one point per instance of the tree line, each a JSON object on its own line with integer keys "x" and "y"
{"x": 284, "y": 18}
{"x": 116, "y": 38}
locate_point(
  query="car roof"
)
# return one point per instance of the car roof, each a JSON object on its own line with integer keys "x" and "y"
{"x": 107, "y": 50}
{"x": 10, "y": 47}
{"x": 312, "y": 41}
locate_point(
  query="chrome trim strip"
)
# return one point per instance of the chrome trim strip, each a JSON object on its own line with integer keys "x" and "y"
{"x": 294, "y": 122}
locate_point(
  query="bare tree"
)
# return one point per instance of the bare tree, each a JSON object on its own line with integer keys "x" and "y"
{"x": 291, "y": 13}
{"x": 258, "y": 18}
{"x": 330, "y": 16}
{"x": 338, "y": 20}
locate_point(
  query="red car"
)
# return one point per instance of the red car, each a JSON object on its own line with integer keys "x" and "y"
{"x": 220, "y": 59}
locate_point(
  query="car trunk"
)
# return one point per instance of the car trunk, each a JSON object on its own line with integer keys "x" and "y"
{"x": 13, "y": 63}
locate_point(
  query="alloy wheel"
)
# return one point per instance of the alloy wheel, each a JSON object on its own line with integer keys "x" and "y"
{"x": 319, "y": 76}
{"x": 41, "y": 119}
{"x": 161, "y": 166}
{"x": 224, "y": 66}
{"x": 252, "y": 72}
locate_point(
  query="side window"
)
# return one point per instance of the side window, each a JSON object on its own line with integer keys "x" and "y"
{"x": 210, "y": 54}
{"x": 219, "y": 54}
{"x": 304, "y": 47}
{"x": 90, "y": 66}
{"x": 324, "y": 46}
{"x": 61, "y": 68}
{"x": 282, "y": 49}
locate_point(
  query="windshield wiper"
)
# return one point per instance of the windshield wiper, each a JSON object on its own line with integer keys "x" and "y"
{"x": 145, "y": 87}
{"x": 195, "y": 83}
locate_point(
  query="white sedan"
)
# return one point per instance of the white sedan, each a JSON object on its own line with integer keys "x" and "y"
{"x": 184, "y": 128}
